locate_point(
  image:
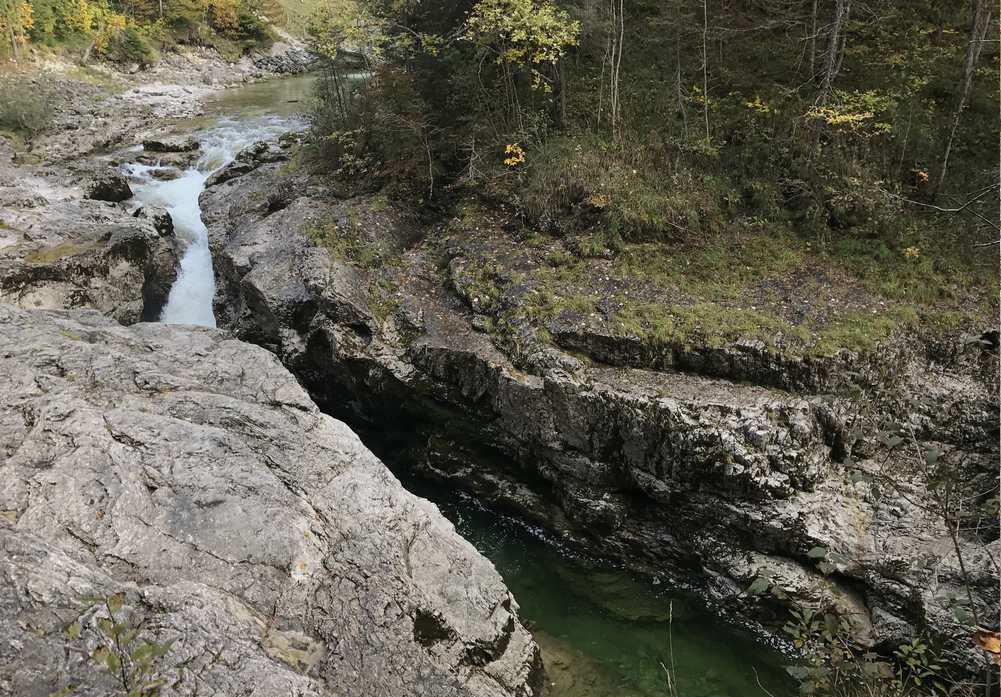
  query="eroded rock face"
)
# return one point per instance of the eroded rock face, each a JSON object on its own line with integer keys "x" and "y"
{"x": 110, "y": 187}
{"x": 678, "y": 472}
{"x": 257, "y": 537}
{"x": 71, "y": 251}
{"x": 170, "y": 144}
{"x": 286, "y": 59}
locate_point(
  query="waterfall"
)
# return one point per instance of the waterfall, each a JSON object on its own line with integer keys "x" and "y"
{"x": 190, "y": 299}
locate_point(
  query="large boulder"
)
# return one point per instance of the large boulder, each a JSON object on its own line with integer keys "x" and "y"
{"x": 183, "y": 481}
{"x": 110, "y": 187}
{"x": 170, "y": 144}
{"x": 85, "y": 253}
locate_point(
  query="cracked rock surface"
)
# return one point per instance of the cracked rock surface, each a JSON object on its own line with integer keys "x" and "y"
{"x": 252, "y": 534}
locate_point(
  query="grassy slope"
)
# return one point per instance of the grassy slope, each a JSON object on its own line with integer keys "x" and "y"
{"x": 712, "y": 247}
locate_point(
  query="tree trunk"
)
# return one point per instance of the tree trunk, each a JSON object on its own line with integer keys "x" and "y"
{"x": 560, "y": 96}
{"x": 813, "y": 41}
{"x": 618, "y": 30}
{"x": 705, "y": 65}
{"x": 835, "y": 49}
{"x": 978, "y": 32}
{"x": 10, "y": 10}
{"x": 678, "y": 83}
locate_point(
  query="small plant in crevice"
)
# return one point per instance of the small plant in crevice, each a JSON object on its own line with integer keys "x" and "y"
{"x": 835, "y": 666}
{"x": 133, "y": 660}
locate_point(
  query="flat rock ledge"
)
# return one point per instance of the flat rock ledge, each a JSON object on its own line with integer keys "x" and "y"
{"x": 253, "y": 536}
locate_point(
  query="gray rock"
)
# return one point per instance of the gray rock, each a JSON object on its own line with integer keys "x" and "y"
{"x": 159, "y": 216}
{"x": 285, "y": 59}
{"x": 89, "y": 254}
{"x": 247, "y": 160}
{"x": 254, "y": 536}
{"x": 110, "y": 187}
{"x": 171, "y": 144}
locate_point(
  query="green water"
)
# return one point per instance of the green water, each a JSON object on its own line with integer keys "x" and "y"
{"x": 278, "y": 97}
{"x": 606, "y": 634}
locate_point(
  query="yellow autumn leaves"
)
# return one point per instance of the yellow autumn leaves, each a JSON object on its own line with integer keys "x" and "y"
{"x": 515, "y": 155}
{"x": 532, "y": 33}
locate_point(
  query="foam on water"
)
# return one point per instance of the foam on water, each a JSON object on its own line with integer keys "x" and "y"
{"x": 190, "y": 300}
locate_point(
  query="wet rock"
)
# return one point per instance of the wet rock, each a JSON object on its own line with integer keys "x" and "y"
{"x": 167, "y": 165}
{"x": 165, "y": 174}
{"x": 159, "y": 217}
{"x": 171, "y": 144}
{"x": 83, "y": 253}
{"x": 110, "y": 187}
{"x": 247, "y": 160}
{"x": 254, "y": 537}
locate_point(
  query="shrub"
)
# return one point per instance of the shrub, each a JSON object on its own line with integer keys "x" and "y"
{"x": 374, "y": 129}
{"x": 130, "y": 46}
{"x": 574, "y": 182}
{"x": 26, "y": 109}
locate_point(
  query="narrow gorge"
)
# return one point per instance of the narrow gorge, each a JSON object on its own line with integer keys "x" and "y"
{"x": 274, "y": 427}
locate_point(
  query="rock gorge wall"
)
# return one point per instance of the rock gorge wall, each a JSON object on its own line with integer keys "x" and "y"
{"x": 703, "y": 473}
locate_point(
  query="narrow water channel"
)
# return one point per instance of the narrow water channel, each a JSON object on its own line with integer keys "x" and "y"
{"x": 233, "y": 120}
{"x": 603, "y": 632}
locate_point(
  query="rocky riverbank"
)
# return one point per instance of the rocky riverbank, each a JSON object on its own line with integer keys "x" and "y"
{"x": 66, "y": 239}
{"x": 734, "y": 468}
{"x": 181, "y": 482}
{"x": 760, "y": 477}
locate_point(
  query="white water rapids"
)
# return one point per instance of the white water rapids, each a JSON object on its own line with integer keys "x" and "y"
{"x": 190, "y": 300}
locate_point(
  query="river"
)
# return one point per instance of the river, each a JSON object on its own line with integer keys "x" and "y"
{"x": 603, "y": 632}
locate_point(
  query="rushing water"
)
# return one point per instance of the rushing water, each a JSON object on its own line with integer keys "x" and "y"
{"x": 603, "y": 632}
{"x": 236, "y": 119}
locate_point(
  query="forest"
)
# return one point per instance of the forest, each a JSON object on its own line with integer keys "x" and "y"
{"x": 679, "y": 116}
{"x": 135, "y": 31}
{"x": 859, "y": 133}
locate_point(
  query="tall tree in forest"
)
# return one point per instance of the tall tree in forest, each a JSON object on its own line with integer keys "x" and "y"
{"x": 15, "y": 20}
{"x": 834, "y": 54}
{"x": 705, "y": 65}
{"x": 979, "y": 23}
{"x": 611, "y": 62}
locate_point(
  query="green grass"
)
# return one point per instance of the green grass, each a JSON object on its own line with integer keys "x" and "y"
{"x": 758, "y": 284}
{"x": 347, "y": 243}
{"x": 382, "y": 298}
{"x": 942, "y": 271}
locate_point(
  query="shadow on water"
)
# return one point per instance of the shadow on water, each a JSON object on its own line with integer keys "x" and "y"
{"x": 605, "y": 633}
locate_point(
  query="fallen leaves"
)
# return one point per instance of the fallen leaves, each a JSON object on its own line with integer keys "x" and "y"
{"x": 990, "y": 642}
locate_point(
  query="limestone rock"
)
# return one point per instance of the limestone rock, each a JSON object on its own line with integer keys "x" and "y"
{"x": 159, "y": 216}
{"x": 170, "y": 144}
{"x": 85, "y": 253}
{"x": 708, "y": 470}
{"x": 111, "y": 187}
{"x": 257, "y": 537}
